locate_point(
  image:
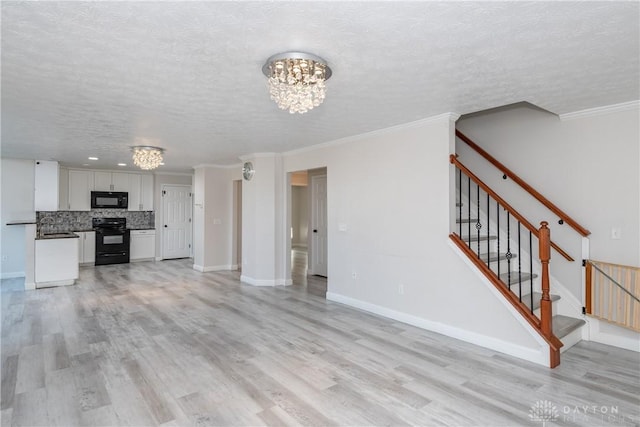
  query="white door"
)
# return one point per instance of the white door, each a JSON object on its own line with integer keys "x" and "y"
{"x": 176, "y": 217}
{"x": 319, "y": 225}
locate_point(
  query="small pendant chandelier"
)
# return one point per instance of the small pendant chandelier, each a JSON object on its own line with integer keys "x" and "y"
{"x": 297, "y": 80}
{"x": 147, "y": 157}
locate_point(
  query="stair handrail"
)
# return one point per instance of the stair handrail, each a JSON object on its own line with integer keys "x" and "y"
{"x": 454, "y": 160}
{"x": 543, "y": 325}
{"x": 564, "y": 217}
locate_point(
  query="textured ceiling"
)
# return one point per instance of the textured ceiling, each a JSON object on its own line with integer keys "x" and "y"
{"x": 86, "y": 79}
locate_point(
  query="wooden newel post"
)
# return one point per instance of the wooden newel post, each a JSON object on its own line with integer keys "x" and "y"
{"x": 544, "y": 238}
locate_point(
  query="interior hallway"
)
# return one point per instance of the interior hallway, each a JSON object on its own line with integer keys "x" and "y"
{"x": 158, "y": 343}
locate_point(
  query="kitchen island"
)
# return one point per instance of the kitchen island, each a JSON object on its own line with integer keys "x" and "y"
{"x": 56, "y": 260}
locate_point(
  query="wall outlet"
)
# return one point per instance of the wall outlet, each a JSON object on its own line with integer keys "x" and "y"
{"x": 401, "y": 289}
{"x": 354, "y": 275}
{"x": 217, "y": 221}
{"x": 5, "y": 257}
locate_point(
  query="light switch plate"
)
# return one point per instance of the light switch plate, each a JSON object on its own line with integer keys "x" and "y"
{"x": 616, "y": 233}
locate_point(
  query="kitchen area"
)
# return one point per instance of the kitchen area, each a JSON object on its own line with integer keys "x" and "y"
{"x": 85, "y": 218}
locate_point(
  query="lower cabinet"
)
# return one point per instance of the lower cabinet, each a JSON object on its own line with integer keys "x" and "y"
{"x": 143, "y": 245}
{"x": 87, "y": 247}
{"x": 55, "y": 262}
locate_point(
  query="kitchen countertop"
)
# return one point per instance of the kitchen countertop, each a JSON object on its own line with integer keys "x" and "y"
{"x": 25, "y": 222}
{"x": 63, "y": 235}
{"x": 84, "y": 230}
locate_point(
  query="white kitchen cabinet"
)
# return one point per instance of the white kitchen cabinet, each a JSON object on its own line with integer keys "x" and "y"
{"x": 146, "y": 189}
{"x": 56, "y": 262}
{"x": 86, "y": 247}
{"x": 143, "y": 245}
{"x": 111, "y": 181}
{"x": 140, "y": 192}
{"x": 80, "y": 188}
{"x": 46, "y": 186}
{"x": 134, "y": 192}
{"x": 63, "y": 189}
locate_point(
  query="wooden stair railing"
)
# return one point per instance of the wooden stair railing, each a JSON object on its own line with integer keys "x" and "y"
{"x": 543, "y": 325}
{"x": 564, "y": 217}
{"x": 612, "y": 293}
{"x": 485, "y": 187}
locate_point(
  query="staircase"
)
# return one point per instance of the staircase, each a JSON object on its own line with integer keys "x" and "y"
{"x": 514, "y": 255}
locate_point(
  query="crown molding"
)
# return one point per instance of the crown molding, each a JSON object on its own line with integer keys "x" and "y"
{"x": 173, "y": 173}
{"x": 598, "y": 111}
{"x": 258, "y": 156}
{"x": 208, "y": 165}
{"x": 451, "y": 117}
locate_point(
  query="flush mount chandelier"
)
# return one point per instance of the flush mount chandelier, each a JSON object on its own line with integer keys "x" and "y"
{"x": 147, "y": 157}
{"x": 297, "y": 80}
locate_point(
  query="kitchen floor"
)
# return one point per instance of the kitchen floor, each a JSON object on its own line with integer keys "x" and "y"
{"x": 150, "y": 344}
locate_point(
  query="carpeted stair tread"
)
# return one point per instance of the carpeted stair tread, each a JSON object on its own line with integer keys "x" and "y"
{"x": 483, "y": 238}
{"x": 525, "y": 277}
{"x": 494, "y": 256}
{"x": 564, "y": 325}
{"x": 526, "y": 299}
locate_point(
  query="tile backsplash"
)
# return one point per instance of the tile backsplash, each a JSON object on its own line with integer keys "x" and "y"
{"x": 81, "y": 220}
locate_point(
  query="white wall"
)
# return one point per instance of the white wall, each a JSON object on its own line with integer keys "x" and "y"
{"x": 264, "y": 228}
{"x": 588, "y": 166}
{"x": 391, "y": 190}
{"x": 213, "y": 218}
{"x": 17, "y": 204}
{"x": 159, "y": 180}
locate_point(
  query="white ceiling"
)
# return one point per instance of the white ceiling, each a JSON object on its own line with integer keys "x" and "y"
{"x": 86, "y": 79}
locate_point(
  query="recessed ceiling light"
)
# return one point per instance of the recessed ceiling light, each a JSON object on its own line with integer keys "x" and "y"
{"x": 122, "y": 164}
{"x": 161, "y": 164}
{"x": 93, "y": 158}
{"x": 85, "y": 164}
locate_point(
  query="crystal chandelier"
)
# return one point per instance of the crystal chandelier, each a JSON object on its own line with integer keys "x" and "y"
{"x": 147, "y": 157}
{"x": 296, "y": 80}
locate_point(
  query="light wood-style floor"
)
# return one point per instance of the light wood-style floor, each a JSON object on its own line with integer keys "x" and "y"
{"x": 160, "y": 344}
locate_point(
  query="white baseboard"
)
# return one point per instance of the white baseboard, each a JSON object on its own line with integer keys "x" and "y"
{"x": 12, "y": 275}
{"x": 208, "y": 268}
{"x": 265, "y": 282}
{"x": 539, "y": 356}
{"x": 159, "y": 258}
{"x": 616, "y": 336}
{"x": 68, "y": 282}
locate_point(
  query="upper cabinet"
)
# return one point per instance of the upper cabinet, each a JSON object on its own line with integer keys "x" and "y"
{"x": 111, "y": 181}
{"x": 80, "y": 188}
{"x": 76, "y": 187}
{"x": 147, "y": 193}
{"x": 140, "y": 192}
{"x": 63, "y": 189}
{"x": 46, "y": 186}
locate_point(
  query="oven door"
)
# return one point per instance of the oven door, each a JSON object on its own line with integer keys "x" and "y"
{"x": 112, "y": 246}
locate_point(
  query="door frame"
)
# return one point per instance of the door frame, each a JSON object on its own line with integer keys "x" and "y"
{"x": 162, "y": 207}
{"x": 319, "y": 170}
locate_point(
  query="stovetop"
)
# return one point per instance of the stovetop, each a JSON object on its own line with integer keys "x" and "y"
{"x": 109, "y": 222}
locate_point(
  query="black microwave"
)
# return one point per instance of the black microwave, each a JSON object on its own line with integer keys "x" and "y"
{"x": 109, "y": 200}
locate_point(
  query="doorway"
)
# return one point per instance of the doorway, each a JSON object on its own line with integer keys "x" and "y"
{"x": 308, "y": 212}
{"x": 176, "y": 214}
{"x": 236, "y": 250}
